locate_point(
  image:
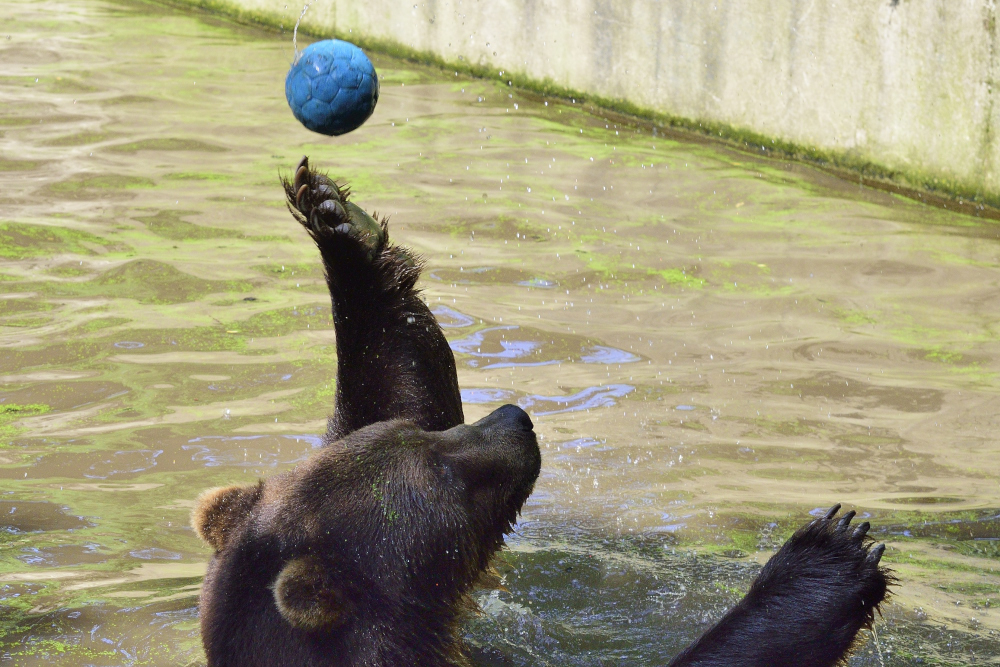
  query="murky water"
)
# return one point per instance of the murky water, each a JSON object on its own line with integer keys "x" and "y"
{"x": 712, "y": 345}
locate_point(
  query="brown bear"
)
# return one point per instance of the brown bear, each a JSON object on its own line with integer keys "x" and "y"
{"x": 366, "y": 554}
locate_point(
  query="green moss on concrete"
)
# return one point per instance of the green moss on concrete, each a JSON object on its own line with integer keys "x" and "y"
{"x": 11, "y": 414}
{"x": 90, "y": 326}
{"x": 197, "y": 176}
{"x": 167, "y": 144}
{"x": 21, "y": 241}
{"x": 20, "y": 165}
{"x": 19, "y": 306}
{"x": 170, "y": 225}
{"x": 146, "y": 281}
{"x": 87, "y": 186}
{"x": 284, "y": 321}
{"x": 81, "y": 138}
{"x": 929, "y": 188}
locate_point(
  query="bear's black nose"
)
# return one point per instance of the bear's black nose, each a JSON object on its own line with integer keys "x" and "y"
{"x": 508, "y": 416}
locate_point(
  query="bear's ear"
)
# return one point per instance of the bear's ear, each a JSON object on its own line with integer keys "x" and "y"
{"x": 308, "y": 597}
{"x": 219, "y": 511}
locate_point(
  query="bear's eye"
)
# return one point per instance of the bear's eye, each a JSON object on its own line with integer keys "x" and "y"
{"x": 445, "y": 471}
{"x": 441, "y": 467}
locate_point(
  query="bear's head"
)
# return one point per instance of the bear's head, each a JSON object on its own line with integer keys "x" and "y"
{"x": 365, "y": 553}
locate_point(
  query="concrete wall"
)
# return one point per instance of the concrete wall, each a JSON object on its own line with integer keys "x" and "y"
{"x": 905, "y": 84}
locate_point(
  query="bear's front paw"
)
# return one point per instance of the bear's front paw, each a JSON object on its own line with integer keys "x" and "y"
{"x": 807, "y": 604}
{"x": 832, "y": 555}
{"x": 323, "y": 208}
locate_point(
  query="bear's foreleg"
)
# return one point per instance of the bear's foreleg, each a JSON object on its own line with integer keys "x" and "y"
{"x": 393, "y": 359}
{"x": 806, "y": 606}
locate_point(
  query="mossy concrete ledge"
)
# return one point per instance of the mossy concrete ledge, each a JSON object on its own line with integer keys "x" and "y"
{"x": 900, "y": 89}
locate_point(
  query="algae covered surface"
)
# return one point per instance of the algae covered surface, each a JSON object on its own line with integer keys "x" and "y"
{"x": 712, "y": 346}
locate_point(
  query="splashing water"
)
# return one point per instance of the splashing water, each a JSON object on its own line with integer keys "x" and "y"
{"x": 296, "y": 54}
{"x": 831, "y": 340}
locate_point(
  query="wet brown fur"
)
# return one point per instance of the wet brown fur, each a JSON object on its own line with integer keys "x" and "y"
{"x": 219, "y": 512}
{"x": 367, "y": 553}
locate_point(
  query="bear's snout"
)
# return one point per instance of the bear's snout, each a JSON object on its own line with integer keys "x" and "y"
{"x": 507, "y": 417}
{"x": 503, "y": 451}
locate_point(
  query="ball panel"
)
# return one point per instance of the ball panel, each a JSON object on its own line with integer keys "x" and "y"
{"x": 352, "y": 80}
{"x": 313, "y": 114}
{"x": 332, "y": 88}
{"x": 340, "y": 71}
{"x": 297, "y": 89}
{"x": 325, "y": 88}
{"x": 315, "y": 63}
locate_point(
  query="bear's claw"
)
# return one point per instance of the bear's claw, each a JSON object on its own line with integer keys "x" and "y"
{"x": 861, "y": 531}
{"x": 859, "y": 535}
{"x": 846, "y": 544}
{"x": 322, "y": 207}
{"x": 845, "y": 521}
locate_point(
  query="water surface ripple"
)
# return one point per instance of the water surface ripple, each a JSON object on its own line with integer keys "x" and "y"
{"x": 711, "y": 345}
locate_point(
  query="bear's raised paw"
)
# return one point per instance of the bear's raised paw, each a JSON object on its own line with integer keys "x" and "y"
{"x": 322, "y": 207}
{"x": 806, "y": 606}
{"x": 831, "y": 551}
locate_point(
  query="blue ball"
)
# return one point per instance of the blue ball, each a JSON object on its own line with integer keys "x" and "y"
{"x": 332, "y": 88}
